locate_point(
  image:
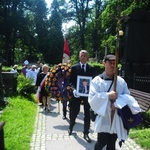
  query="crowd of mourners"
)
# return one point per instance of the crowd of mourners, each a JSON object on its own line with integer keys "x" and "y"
{"x": 50, "y": 82}
{"x": 79, "y": 84}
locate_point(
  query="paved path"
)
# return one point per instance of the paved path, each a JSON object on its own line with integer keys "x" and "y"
{"x": 51, "y": 132}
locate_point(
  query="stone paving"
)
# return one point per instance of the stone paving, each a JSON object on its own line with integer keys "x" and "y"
{"x": 51, "y": 132}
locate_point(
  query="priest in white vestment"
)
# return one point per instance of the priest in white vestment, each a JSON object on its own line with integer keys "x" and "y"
{"x": 105, "y": 102}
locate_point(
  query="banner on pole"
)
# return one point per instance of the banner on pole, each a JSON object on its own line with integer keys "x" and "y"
{"x": 66, "y": 52}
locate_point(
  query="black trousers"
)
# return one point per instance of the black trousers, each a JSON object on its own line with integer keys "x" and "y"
{"x": 64, "y": 103}
{"x": 104, "y": 139}
{"x": 74, "y": 110}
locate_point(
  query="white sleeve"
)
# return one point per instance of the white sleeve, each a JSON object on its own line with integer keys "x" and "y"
{"x": 98, "y": 100}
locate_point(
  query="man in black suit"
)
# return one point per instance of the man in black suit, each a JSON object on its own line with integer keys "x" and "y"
{"x": 80, "y": 69}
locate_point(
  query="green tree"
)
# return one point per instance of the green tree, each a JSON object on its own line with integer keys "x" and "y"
{"x": 81, "y": 9}
{"x": 12, "y": 14}
{"x": 29, "y": 30}
{"x": 94, "y": 29}
{"x": 54, "y": 52}
{"x": 110, "y": 18}
{"x": 41, "y": 23}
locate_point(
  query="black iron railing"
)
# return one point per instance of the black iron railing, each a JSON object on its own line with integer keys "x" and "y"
{"x": 141, "y": 82}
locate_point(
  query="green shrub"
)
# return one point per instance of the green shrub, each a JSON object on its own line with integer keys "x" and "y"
{"x": 99, "y": 67}
{"x": 25, "y": 87}
{"x": 146, "y": 118}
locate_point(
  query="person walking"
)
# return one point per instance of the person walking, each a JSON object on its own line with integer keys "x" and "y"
{"x": 39, "y": 67}
{"x": 80, "y": 69}
{"x": 105, "y": 101}
{"x": 32, "y": 74}
{"x": 38, "y": 71}
{"x": 41, "y": 86}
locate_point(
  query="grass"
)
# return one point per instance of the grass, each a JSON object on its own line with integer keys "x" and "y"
{"x": 19, "y": 116}
{"x": 141, "y": 137}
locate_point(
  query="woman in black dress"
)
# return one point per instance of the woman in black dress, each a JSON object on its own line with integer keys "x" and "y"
{"x": 41, "y": 86}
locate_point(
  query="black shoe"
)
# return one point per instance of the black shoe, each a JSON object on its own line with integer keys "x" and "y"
{"x": 87, "y": 138}
{"x": 64, "y": 117}
{"x": 70, "y": 131}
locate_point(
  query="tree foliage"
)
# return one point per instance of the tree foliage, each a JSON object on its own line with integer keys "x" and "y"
{"x": 30, "y": 30}
{"x": 13, "y": 18}
{"x": 55, "y": 40}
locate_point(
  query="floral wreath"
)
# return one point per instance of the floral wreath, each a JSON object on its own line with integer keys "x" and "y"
{"x": 57, "y": 82}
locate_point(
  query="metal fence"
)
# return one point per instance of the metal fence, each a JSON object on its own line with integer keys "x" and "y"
{"x": 141, "y": 82}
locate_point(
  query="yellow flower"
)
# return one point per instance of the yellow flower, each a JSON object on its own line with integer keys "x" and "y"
{"x": 54, "y": 71}
{"x": 68, "y": 87}
{"x": 51, "y": 75}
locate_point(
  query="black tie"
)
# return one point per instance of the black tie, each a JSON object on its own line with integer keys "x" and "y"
{"x": 83, "y": 68}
